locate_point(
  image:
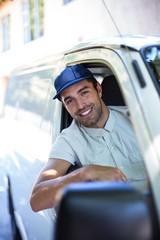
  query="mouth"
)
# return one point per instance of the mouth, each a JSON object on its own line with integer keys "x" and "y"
{"x": 85, "y": 113}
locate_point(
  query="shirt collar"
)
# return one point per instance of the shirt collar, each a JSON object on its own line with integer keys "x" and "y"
{"x": 110, "y": 122}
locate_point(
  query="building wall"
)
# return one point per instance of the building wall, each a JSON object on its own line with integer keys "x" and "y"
{"x": 79, "y": 20}
{"x": 66, "y": 25}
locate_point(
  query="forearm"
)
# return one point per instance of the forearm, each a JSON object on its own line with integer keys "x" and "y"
{"x": 46, "y": 193}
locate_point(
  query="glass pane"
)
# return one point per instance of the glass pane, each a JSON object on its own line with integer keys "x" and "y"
{"x": 36, "y": 18}
{"x": 152, "y": 56}
{"x": 6, "y": 32}
{"x": 26, "y": 21}
{"x": 31, "y": 99}
{"x": 33, "y": 19}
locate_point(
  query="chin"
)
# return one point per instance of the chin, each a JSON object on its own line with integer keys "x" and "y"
{"x": 89, "y": 124}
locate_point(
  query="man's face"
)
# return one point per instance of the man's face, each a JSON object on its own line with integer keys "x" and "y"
{"x": 83, "y": 102}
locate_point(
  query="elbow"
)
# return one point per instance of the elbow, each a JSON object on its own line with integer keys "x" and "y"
{"x": 37, "y": 206}
{"x": 41, "y": 198}
{"x": 34, "y": 205}
{"x": 39, "y": 203}
{"x": 36, "y": 201}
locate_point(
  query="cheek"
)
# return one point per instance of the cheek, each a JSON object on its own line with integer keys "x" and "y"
{"x": 71, "y": 110}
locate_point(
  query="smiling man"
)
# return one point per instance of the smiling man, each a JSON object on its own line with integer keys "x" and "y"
{"x": 100, "y": 141}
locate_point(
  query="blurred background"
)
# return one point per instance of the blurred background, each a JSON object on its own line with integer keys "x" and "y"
{"x": 33, "y": 29}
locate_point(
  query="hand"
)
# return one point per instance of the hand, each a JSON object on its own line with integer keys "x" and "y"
{"x": 102, "y": 173}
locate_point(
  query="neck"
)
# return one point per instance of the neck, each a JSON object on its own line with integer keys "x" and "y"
{"x": 105, "y": 115}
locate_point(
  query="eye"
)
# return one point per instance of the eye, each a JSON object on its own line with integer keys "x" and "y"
{"x": 68, "y": 101}
{"x": 84, "y": 92}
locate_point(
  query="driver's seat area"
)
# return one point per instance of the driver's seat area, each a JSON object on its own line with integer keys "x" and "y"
{"x": 111, "y": 93}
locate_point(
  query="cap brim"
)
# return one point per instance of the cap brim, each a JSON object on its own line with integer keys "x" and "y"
{"x": 69, "y": 84}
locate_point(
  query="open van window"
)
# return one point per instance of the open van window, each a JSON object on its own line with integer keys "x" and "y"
{"x": 111, "y": 92}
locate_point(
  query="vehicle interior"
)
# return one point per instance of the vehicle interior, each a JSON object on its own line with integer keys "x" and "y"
{"x": 93, "y": 211}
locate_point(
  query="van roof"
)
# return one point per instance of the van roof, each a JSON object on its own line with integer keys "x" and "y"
{"x": 132, "y": 42}
{"x": 135, "y": 42}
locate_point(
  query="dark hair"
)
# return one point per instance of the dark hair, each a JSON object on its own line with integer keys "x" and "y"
{"x": 94, "y": 82}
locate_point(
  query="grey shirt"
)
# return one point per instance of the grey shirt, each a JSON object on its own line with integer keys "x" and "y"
{"x": 114, "y": 145}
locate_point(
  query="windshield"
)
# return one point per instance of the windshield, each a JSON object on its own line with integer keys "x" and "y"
{"x": 152, "y": 57}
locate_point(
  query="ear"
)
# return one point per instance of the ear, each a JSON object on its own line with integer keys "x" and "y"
{"x": 99, "y": 89}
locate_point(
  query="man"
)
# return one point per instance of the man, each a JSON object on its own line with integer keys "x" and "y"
{"x": 100, "y": 140}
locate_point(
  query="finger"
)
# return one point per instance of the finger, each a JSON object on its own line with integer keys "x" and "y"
{"x": 124, "y": 179}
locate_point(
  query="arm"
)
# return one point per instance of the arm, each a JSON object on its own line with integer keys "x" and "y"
{"x": 52, "y": 180}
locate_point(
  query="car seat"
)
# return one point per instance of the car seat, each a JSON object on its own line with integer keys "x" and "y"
{"x": 111, "y": 93}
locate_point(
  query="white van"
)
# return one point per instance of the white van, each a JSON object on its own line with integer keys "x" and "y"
{"x": 128, "y": 68}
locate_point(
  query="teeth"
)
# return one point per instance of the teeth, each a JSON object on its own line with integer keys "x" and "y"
{"x": 86, "y": 112}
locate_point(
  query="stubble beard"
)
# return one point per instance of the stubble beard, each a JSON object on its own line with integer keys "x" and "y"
{"x": 93, "y": 121}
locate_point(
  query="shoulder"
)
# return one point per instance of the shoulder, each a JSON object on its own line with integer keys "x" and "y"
{"x": 121, "y": 113}
{"x": 67, "y": 136}
{"x": 72, "y": 130}
{"x": 119, "y": 110}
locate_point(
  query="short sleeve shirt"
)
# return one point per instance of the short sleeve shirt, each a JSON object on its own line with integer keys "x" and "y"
{"x": 114, "y": 145}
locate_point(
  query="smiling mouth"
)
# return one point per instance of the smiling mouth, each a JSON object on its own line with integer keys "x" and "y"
{"x": 86, "y": 112}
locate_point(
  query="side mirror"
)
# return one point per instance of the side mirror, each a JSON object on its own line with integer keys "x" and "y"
{"x": 103, "y": 210}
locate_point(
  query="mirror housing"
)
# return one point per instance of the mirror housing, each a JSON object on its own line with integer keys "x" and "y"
{"x": 103, "y": 210}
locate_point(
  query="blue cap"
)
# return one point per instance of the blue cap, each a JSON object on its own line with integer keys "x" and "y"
{"x": 69, "y": 76}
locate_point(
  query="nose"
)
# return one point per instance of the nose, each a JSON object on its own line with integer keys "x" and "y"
{"x": 79, "y": 103}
